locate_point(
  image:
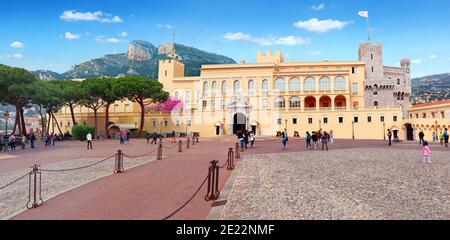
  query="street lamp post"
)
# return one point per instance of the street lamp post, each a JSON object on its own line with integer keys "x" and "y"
{"x": 353, "y": 130}
{"x": 285, "y": 125}
{"x": 384, "y": 130}
{"x": 160, "y": 128}
{"x": 6, "y": 115}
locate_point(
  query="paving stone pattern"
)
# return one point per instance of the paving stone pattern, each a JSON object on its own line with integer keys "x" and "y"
{"x": 363, "y": 183}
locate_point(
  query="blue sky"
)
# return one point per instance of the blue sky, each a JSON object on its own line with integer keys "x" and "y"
{"x": 55, "y": 35}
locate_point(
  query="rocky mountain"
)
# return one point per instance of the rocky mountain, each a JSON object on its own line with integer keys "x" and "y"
{"x": 141, "y": 59}
{"x": 431, "y": 88}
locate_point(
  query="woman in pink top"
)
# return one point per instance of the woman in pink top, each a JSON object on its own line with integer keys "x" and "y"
{"x": 426, "y": 153}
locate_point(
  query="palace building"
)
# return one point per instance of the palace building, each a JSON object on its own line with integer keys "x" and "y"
{"x": 356, "y": 99}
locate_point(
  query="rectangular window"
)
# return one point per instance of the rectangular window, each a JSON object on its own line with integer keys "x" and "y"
{"x": 341, "y": 119}
{"x": 395, "y": 118}
{"x": 372, "y": 69}
{"x": 442, "y": 114}
{"x": 279, "y": 122}
{"x": 433, "y": 115}
{"x": 424, "y": 115}
{"x": 325, "y": 120}
{"x": 222, "y": 103}
{"x": 294, "y": 121}
{"x": 355, "y": 89}
{"x": 166, "y": 123}
{"x": 127, "y": 108}
{"x": 417, "y": 115}
{"x": 204, "y": 103}
{"x": 353, "y": 70}
{"x": 116, "y": 108}
{"x": 310, "y": 121}
{"x": 369, "y": 119}
{"x": 382, "y": 118}
{"x": 355, "y": 119}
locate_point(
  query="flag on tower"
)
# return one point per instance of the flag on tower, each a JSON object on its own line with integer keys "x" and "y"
{"x": 364, "y": 14}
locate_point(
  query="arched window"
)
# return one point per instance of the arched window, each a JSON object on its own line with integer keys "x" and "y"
{"x": 214, "y": 87}
{"x": 224, "y": 87}
{"x": 187, "y": 98}
{"x": 265, "y": 86}
{"x": 294, "y": 84}
{"x": 375, "y": 90}
{"x": 280, "y": 84}
{"x": 251, "y": 87}
{"x": 325, "y": 83}
{"x": 339, "y": 83}
{"x": 294, "y": 102}
{"x": 279, "y": 102}
{"x": 310, "y": 84}
{"x": 205, "y": 88}
{"x": 375, "y": 104}
{"x": 176, "y": 95}
{"x": 237, "y": 86}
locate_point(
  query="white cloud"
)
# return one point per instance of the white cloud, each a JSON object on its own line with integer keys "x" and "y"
{"x": 433, "y": 56}
{"x": 123, "y": 34}
{"x": 318, "y": 7}
{"x": 315, "y": 52}
{"x": 17, "y": 56}
{"x": 103, "y": 39}
{"x": 321, "y": 26}
{"x": 268, "y": 41}
{"x": 71, "y": 36}
{"x": 99, "y": 16}
{"x": 417, "y": 61}
{"x": 166, "y": 26}
{"x": 17, "y": 44}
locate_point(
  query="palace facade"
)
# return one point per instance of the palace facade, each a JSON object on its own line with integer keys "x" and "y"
{"x": 356, "y": 99}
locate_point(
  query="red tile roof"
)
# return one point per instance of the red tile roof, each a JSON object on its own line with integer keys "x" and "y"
{"x": 431, "y": 104}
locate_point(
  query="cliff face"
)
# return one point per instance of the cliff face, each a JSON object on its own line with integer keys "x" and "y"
{"x": 141, "y": 51}
{"x": 142, "y": 59}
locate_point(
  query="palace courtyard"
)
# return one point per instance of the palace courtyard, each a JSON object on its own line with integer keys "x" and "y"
{"x": 356, "y": 179}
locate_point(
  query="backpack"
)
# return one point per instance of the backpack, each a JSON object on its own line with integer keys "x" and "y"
{"x": 445, "y": 134}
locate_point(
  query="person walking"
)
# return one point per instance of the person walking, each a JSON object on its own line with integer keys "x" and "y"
{"x": 24, "y": 141}
{"x": 148, "y": 136}
{"x": 246, "y": 138}
{"x": 240, "y": 136}
{"x": 314, "y": 140}
{"x": 390, "y": 137}
{"x": 32, "y": 139}
{"x": 89, "y": 140}
{"x": 154, "y": 138}
{"x": 421, "y": 137}
{"x": 426, "y": 153}
{"x": 434, "y": 137}
{"x": 331, "y": 137}
{"x": 12, "y": 142}
{"x": 174, "y": 137}
{"x": 325, "y": 139}
{"x": 446, "y": 136}
{"x": 441, "y": 138}
{"x": 308, "y": 140}
{"x": 252, "y": 139}
{"x": 284, "y": 140}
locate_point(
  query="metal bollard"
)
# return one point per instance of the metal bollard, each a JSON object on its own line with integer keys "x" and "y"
{"x": 160, "y": 150}
{"x": 237, "y": 151}
{"x": 188, "y": 142}
{"x": 35, "y": 172}
{"x": 230, "y": 161}
{"x": 213, "y": 181}
{"x": 119, "y": 162}
{"x": 180, "y": 146}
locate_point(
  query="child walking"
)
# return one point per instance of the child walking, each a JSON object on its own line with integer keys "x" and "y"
{"x": 426, "y": 153}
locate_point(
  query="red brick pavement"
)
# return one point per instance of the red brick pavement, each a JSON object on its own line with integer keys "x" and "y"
{"x": 154, "y": 190}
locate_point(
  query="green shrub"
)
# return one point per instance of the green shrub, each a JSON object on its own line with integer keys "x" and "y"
{"x": 135, "y": 134}
{"x": 79, "y": 132}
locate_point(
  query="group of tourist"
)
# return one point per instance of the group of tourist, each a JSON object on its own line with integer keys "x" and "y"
{"x": 314, "y": 139}
{"x": 246, "y": 137}
{"x": 11, "y": 141}
{"x": 442, "y": 137}
{"x": 124, "y": 136}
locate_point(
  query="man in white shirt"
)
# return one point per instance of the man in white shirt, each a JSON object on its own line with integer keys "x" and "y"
{"x": 89, "y": 140}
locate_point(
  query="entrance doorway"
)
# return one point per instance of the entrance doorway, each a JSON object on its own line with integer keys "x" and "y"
{"x": 254, "y": 129}
{"x": 240, "y": 123}
{"x": 409, "y": 132}
{"x": 217, "y": 130}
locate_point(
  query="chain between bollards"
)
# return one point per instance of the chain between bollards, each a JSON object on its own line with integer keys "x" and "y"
{"x": 213, "y": 181}
{"x": 33, "y": 176}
